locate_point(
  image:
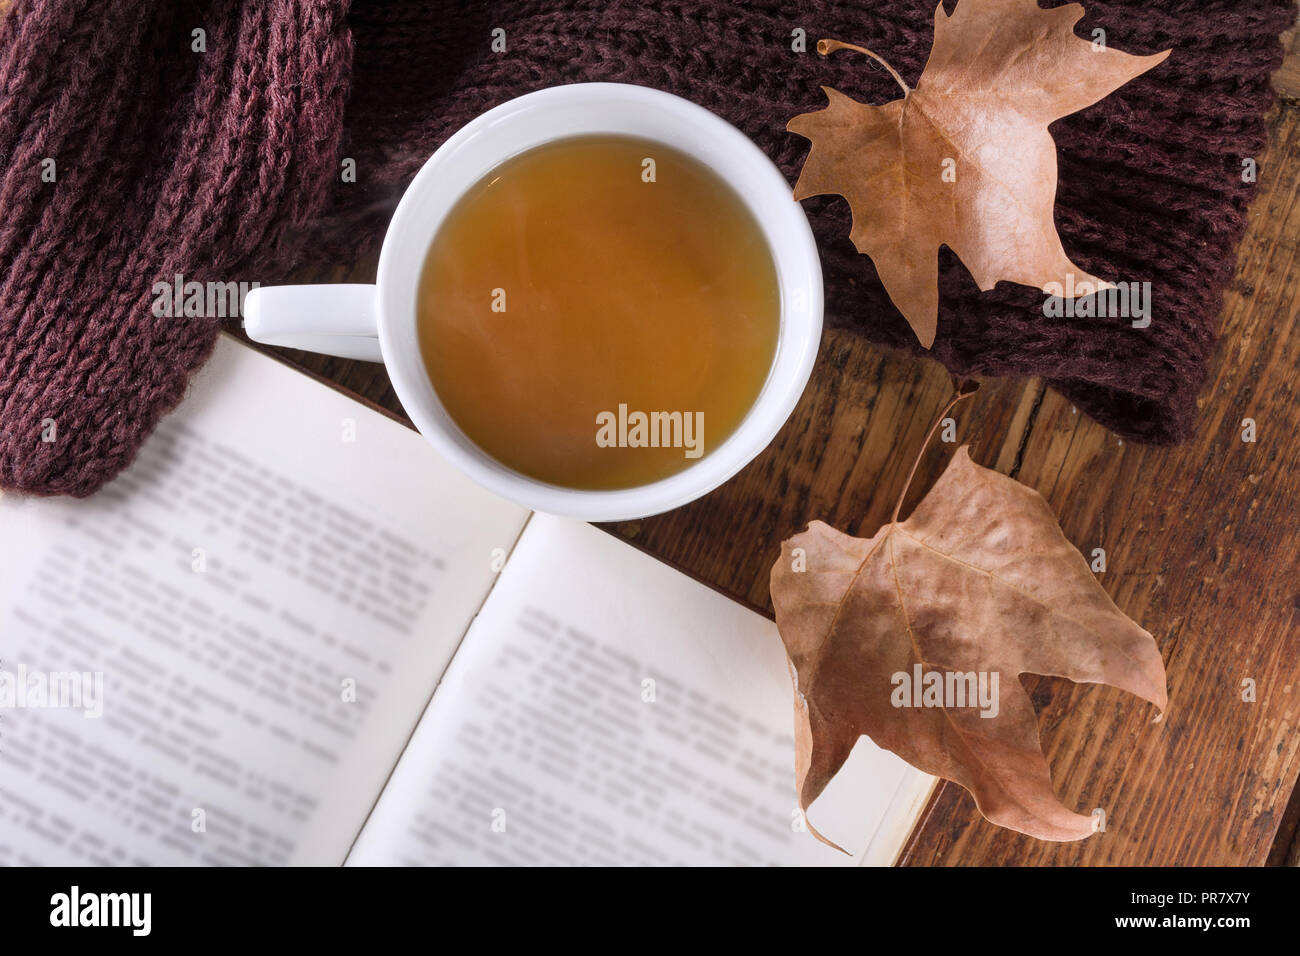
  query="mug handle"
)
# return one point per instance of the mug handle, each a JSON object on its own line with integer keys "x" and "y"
{"x": 334, "y": 319}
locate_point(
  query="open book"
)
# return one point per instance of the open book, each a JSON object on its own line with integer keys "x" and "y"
{"x": 291, "y": 634}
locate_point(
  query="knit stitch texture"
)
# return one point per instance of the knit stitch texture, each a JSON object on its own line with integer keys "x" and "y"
{"x": 224, "y": 166}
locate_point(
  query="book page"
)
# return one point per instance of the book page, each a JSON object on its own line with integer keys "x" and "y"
{"x": 218, "y": 658}
{"x": 605, "y": 709}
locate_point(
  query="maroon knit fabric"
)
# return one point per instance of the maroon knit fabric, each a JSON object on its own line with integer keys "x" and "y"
{"x": 224, "y": 166}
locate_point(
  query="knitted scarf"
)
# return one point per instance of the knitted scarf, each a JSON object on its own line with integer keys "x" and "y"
{"x": 134, "y": 149}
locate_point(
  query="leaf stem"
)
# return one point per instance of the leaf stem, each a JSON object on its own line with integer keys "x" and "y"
{"x": 964, "y": 390}
{"x": 827, "y": 47}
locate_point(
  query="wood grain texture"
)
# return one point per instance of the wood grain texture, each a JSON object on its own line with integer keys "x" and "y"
{"x": 1200, "y": 541}
{"x": 1202, "y": 549}
{"x": 1287, "y": 79}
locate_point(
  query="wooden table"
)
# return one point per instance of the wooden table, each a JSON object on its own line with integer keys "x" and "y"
{"x": 1202, "y": 544}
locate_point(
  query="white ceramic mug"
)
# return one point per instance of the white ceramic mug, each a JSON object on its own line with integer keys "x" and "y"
{"x": 378, "y": 322}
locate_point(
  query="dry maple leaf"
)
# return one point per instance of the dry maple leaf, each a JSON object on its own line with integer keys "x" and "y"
{"x": 965, "y": 159}
{"x": 979, "y": 580}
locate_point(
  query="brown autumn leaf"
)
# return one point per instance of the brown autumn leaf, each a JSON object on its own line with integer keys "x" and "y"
{"x": 965, "y": 159}
{"x": 979, "y": 580}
